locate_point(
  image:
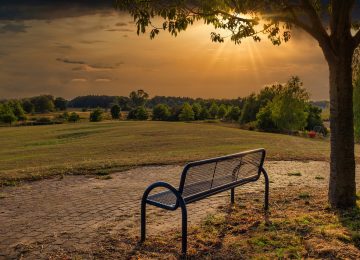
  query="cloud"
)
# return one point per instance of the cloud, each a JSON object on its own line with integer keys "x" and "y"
{"x": 14, "y": 28}
{"x": 65, "y": 60}
{"x": 90, "y": 42}
{"x": 79, "y": 80}
{"x": 121, "y": 24}
{"x": 63, "y": 46}
{"x": 94, "y": 68}
{"x": 103, "y": 80}
{"x": 119, "y": 30}
{"x": 49, "y": 10}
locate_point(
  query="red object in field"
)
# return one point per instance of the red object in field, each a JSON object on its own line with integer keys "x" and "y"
{"x": 312, "y": 134}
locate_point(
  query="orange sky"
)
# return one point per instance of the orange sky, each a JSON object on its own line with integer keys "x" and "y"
{"x": 101, "y": 54}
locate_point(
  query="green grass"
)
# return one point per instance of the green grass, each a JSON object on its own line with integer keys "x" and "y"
{"x": 35, "y": 152}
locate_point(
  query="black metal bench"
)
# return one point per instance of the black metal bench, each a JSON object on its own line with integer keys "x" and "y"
{"x": 202, "y": 179}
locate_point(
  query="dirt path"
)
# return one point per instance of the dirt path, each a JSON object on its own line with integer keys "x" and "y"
{"x": 72, "y": 212}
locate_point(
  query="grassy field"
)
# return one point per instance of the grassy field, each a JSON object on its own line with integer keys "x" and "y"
{"x": 97, "y": 148}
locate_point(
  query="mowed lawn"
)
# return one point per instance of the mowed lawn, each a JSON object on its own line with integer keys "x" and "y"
{"x": 96, "y": 148}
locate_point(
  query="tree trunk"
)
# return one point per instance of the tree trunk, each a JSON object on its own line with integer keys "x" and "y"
{"x": 342, "y": 188}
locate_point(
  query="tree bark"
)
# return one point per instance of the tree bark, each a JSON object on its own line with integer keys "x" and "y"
{"x": 342, "y": 188}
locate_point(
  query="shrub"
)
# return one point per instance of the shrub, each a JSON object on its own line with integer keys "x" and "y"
{"x": 186, "y": 114}
{"x": 73, "y": 117}
{"x": 161, "y": 112}
{"x": 96, "y": 115}
{"x": 139, "y": 113}
{"x": 115, "y": 111}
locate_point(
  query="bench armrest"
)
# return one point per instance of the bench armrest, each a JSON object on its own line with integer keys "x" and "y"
{"x": 179, "y": 198}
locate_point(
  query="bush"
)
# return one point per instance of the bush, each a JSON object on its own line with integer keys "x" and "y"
{"x": 161, "y": 112}
{"x": 73, "y": 117}
{"x": 186, "y": 114}
{"x": 96, "y": 115}
{"x": 115, "y": 111}
{"x": 357, "y": 109}
{"x": 139, "y": 113}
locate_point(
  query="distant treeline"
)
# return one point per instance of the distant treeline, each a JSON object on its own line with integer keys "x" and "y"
{"x": 125, "y": 103}
{"x": 280, "y": 107}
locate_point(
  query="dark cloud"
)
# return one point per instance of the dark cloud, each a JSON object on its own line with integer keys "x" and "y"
{"x": 91, "y": 42}
{"x": 65, "y": 60}
{"x": 121, "y": 24}
{"x": 119, "y": 30}
{"x": 89, "y": 67}
{"x": 49, "y": 10}
{"x": 14, "y": 28}
{"x": 63, "y": 46}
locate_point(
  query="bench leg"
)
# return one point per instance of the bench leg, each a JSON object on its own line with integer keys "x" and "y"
{"x": 266, "y": 202}
{"x": 232, "y": 195}
{"x": 143, "y": 221}
{"x": 184, "y": 228}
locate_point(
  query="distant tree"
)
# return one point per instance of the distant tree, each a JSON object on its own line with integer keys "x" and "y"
{"x": 43, "y": 104}
{"x": 6, "y": 114}
{"x": 138, "y": 113}
{"x": 17, "y": 109}
{"x": 250, "y": 109}
{"x": 28, "y": 106}
{"x": 187, "y": 113}
{"x": 60, "y": 104}
{"x": 222, "y": 111}
{"x": 138, "y": 98}
{"x": 175, "y": 112}
{"x": 74, "y": 117}
{"x": 288, "y": 109}
{"x": 96, "y": 115}
{"x": 204, "y": 113}
{"x": 161, "y": 112}
{"x": 264, "y": 120}
{"x": 267, "y": 94}
{"x": 115, "y": 111}
{"x": 196, "y": 107}
{"x": 234, "y": 114}
{"x": 213, "y": 110}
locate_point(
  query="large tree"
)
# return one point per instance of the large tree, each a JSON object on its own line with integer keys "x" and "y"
{"x": 333, "y": 24}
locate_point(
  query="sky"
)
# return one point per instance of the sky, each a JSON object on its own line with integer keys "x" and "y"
{"x": 77, "y": 49}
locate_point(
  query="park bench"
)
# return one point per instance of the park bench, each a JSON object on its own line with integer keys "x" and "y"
{"x": 202, "y": 179}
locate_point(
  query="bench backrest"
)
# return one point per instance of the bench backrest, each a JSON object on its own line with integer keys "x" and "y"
{"x": 201, "y": 178}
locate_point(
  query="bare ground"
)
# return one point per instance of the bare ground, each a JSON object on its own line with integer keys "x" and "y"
{"x": 71, "y": 215}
